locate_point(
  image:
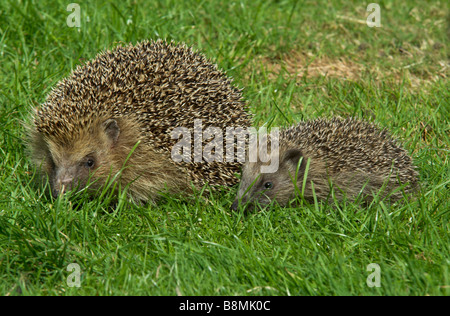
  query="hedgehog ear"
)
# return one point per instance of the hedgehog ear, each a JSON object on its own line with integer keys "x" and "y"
{"x": 112, "y": 130}
{"x": 292, "y": 157}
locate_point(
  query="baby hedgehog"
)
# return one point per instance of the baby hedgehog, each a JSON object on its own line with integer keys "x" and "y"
{"x": 352, "y": 157}
{"x": 112, "y": 119}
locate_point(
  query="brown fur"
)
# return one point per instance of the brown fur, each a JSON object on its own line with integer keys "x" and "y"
{"x": 352, "y": 157}
{"x": 128, "y": 101}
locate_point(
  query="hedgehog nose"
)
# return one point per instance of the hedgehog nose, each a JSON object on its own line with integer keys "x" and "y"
{"x": 64, "y": 185}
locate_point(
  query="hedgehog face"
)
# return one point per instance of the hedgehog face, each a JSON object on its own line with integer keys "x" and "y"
{"x": 72, "y": 172}
{"x": 82, "y": 158}
{"x": 258, "y": 188}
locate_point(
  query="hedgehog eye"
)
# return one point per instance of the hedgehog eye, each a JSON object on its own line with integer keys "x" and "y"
{"x": 268, "y": 185}
{"x": 89, "y": 163}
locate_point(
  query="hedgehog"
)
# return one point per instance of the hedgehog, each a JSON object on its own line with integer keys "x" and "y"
{"x": 336, "y": 157}
{"x": 111, "y": 121}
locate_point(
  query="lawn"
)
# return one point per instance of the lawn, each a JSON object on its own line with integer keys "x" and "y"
{"x": 295, "y": 60}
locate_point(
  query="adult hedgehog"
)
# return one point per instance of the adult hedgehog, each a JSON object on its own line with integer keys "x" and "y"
{"x": 112, "y": 118}
{"x": 353, "y": 157}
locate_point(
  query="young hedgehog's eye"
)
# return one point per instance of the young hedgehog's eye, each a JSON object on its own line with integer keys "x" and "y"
{"x": 90, "y": 163}
{"x": 268, "y": 185}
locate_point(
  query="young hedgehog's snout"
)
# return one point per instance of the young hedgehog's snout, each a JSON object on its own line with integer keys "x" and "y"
{"x": 249, "y": 196}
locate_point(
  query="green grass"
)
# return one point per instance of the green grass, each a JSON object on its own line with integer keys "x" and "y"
{"x": 196, "y": 245}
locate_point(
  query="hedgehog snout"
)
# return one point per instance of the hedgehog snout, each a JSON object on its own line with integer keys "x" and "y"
{"x": 64, "y": 181}
{"x": 241, "y": 201}
{"x": 242, "y": 197}
{"x": 246, "y": 205}
{"x": 62, "y": 186}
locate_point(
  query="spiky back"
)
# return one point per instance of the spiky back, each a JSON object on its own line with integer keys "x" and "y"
{"x": 351, "y": 145}
{"x": 157, "y": 84}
